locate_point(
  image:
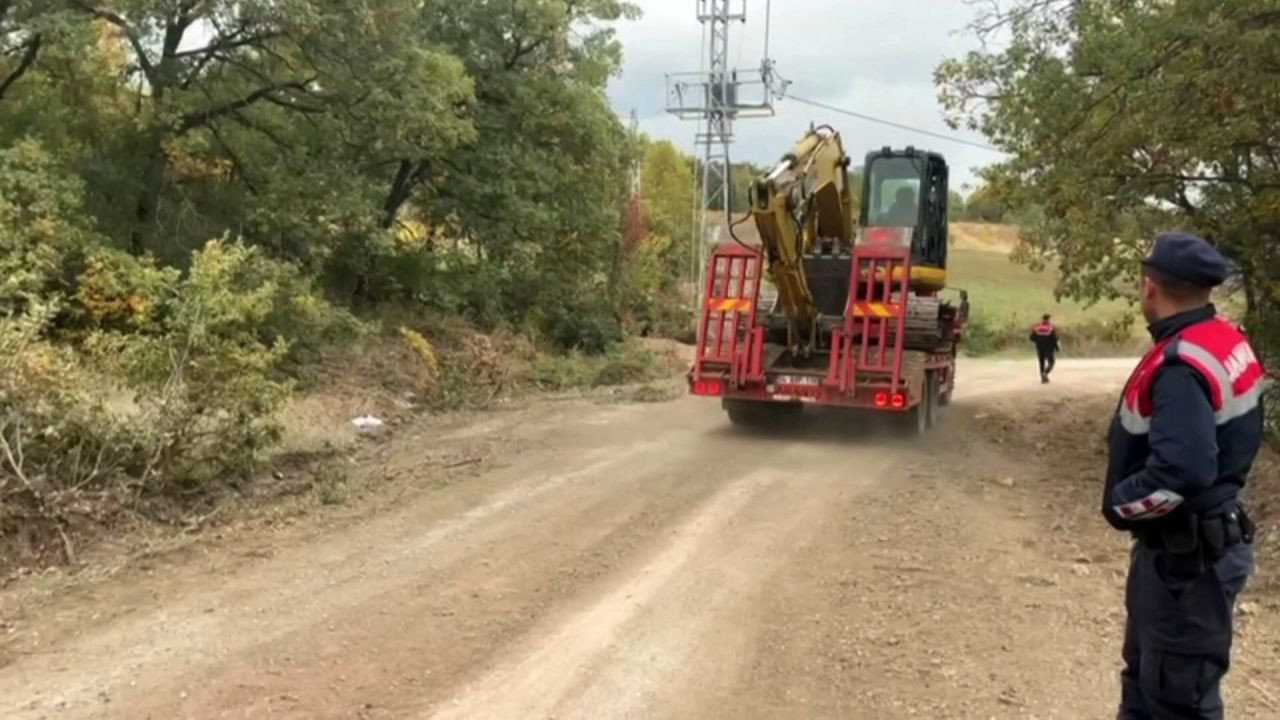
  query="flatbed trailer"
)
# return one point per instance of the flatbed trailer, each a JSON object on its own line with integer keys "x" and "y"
{"x": 864, "y": 362}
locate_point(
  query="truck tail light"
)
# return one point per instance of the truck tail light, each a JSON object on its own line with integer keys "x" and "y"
{"x": 709, "y": 386}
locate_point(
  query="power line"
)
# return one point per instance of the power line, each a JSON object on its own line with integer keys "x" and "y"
{"x": 900, "y": 126}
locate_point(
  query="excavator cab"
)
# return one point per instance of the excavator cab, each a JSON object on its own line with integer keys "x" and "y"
{"x": 906, "y": 190}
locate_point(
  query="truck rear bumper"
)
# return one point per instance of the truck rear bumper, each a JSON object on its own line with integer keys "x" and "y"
{"x": 874, "y": 394}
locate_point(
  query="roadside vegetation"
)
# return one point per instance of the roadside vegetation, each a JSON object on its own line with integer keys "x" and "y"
{"x": 212, "y": 212}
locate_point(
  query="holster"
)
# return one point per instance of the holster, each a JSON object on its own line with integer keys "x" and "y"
{"x": 1180, "y": 537}
{"x": 1191, "y": 540}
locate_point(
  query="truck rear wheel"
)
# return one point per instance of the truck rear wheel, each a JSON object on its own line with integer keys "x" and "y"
{"x": 944, "y": 393}
{"x": 747, "y": 413}
{"x": 932, "y": 398}
{"x": 917, "y": 420}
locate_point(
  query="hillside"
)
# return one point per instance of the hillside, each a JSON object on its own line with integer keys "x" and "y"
{"x": 987, "y": 237}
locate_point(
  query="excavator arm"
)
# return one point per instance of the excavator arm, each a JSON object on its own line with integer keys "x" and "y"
{"x": 802, "y": 204}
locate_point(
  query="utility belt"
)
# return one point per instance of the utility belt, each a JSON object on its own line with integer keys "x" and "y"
{"x": 1194, "y": 539}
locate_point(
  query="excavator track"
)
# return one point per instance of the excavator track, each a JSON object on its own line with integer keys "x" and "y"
{"x": 925, "y": 327}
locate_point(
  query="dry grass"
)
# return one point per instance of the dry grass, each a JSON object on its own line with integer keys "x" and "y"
{"x": 985, "y": 237}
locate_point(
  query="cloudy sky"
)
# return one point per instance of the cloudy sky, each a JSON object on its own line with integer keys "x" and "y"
{"x": 875, "y": 57}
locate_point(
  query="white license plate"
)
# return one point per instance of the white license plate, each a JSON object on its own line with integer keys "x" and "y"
{"x": 795, "y": 380}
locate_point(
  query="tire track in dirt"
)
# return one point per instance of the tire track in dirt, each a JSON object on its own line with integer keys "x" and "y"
{"x": 374, "y": 619}
{"x": 644, "y": 561}
{"x": 627, "y": 653}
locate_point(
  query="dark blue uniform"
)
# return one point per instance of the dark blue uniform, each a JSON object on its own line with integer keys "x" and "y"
{"x": 1045, "y": 337}
{"x": 1185, "y": 435}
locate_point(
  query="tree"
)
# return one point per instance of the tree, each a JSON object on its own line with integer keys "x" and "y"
{"x": 983, "y": 205}
{"x": 205, "y": 66}
{"x": 20, "y": 43}
{"x": 459, "y": 154}
{"x": 656, "y": 271}
{"x": 955, "y": 206}
{"x": 1123, "y": 118}
{"x": 540, "y": 191}
{"x": 667, "y": 179}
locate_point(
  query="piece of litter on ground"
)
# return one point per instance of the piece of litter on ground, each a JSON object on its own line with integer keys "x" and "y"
{"x": 367, "y": 422}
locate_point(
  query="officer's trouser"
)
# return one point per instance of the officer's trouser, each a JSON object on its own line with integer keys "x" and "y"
{"x": 1046, "y": 363}
{"x": 1177, "y": 641}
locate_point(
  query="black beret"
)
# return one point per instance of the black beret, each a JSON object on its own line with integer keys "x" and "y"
{"x": 1188, "y": 258}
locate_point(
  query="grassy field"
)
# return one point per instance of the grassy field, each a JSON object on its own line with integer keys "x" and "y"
{"x": 1006, "y": 298}
{"x": 1001, "y": 290}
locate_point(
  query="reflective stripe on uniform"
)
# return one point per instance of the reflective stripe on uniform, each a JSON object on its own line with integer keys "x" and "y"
{"x": 1212, "y": 368}
{"x": 1156, "y": 505}
{"x": 1227, "y": 404}
{"x": 1242, "y": 404}
{"x": 1132, "y": 421}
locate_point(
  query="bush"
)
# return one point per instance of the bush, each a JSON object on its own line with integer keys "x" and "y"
{"x": 55, "y": 432}
{"x": 583, "y": 324}
{"x": 1088, "y": 338}
{"x": 209, "y": 381}
{"x": 624, "y": 363}
{"x": 196, "y": 385}
{"x": 42, "y": 237}
{"x": 982, "y": 337}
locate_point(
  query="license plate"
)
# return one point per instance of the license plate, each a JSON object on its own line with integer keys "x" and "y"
{"x": 795, "y": 380}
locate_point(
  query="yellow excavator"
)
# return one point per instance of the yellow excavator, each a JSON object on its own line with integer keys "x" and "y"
{"x": 857, "y": 319}
{"x": 804, "y": 212}
{"x": 803, "y": 203}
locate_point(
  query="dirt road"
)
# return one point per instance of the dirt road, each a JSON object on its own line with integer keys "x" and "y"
{"x": 643, "y": 561}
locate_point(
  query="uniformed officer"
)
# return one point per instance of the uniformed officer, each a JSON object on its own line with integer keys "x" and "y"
{"x": 1045, "y": 337}
{"x": 1185, "y": 434}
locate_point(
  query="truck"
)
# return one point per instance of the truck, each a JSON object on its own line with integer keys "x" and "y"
{"x": 829, "y": 309}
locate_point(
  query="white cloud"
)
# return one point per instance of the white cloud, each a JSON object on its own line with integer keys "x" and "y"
{"x": 872, "y": 56}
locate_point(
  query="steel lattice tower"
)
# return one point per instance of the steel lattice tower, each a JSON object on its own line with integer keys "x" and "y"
{"x": 716, "y": 97}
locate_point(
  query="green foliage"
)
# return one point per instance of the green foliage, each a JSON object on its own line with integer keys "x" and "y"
{"x": 192, "y": 363}
{"x": 624, "y": 363}
{"x": 652, "y": 285}
{"x": 667, "y": 193}
{"x": 1091, "y": 337}
{"x": 983, "y": 206}
{"x": 955, "y": 206}
{"x": 460, "y": 159}
{"x": 40, "y": 230}
{"x": 652, "y": 294}
{"x": 1123, "y": 119}
{"x": 330, "y": 485}
{"x": 207, "y": 380}
{"x": 462, "y": 155}
{"x": 55, "y": 434}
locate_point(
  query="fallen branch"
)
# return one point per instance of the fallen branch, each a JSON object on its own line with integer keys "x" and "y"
{"x": 464, "y": 463}
{"x": 68, "y": 550}
{"x": 197, "y": 523}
